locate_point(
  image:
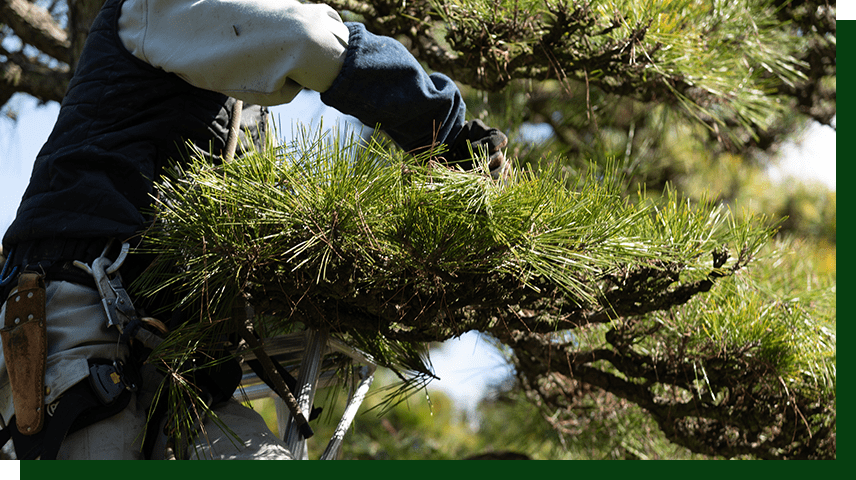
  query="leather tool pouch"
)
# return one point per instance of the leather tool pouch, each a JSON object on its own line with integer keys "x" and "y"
{"x": 25, "y": 348}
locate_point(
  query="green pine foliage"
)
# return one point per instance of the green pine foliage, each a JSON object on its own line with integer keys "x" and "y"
{"x": 630, "y": 267}
{"x": 759, "y": 345}
{"x": 389, "y": 252}
{"x": 626, "y": 268}
{"x": 736, "y": 67}
{"x": 350, "y": 229}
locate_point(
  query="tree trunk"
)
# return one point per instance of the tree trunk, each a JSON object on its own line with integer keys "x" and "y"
{"x": 81, "y": 15}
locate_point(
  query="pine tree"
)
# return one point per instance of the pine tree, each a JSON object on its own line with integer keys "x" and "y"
{"x": 604, "y": 278}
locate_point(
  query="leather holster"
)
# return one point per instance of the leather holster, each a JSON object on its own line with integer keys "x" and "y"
{"x": 25, "y": 349}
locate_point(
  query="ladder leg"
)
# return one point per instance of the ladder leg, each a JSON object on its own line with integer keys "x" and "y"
{"x": 367, "y": 376}
{"x": 307, "y": 382}
{"x": 283, "y": 415}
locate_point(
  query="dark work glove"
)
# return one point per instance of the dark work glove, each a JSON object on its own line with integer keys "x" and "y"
{"x": 482, "y": 138}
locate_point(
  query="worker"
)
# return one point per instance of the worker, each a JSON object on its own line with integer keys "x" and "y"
{"x": 154, "y": 77}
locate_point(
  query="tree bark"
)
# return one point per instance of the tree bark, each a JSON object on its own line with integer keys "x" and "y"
{"x": 34, "y": 25}
{"x": 81, "y": 15}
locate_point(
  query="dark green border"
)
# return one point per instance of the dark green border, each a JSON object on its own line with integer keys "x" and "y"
{"x": 342, "y": 470}
{"x": 415, "y": 470}
{"x": 845, "y": 71}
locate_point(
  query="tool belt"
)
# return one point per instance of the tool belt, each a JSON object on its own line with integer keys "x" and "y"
{"x": 24, "y": 340}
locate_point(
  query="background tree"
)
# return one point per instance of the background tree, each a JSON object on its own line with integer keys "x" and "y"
{"x": 681, "y": 96}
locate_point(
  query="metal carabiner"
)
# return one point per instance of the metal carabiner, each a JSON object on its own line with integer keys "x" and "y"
{"x": 98, "y": 270}
{"x": 115, "y": 299}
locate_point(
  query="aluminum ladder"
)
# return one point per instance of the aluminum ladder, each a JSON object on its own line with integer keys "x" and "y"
{"x": 303, "y": 354}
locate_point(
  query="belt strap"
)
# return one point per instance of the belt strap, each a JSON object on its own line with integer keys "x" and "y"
{"x": 77, "y": 408}
{"x": 35, "y": 254}
{"x": 25, "y": 349}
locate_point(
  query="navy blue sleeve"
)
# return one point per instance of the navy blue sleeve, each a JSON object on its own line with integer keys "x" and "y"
{"x": 381, "y": 83}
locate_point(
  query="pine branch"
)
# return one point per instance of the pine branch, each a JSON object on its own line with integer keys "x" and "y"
{"x": 389, "y": 253}
{"x": 35, "y": 26}
{"x": 732, "y": 67}
{"x": 20, "y": 73}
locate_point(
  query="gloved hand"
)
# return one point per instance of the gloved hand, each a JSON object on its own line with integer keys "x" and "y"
{"x": 482, "y": 138}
